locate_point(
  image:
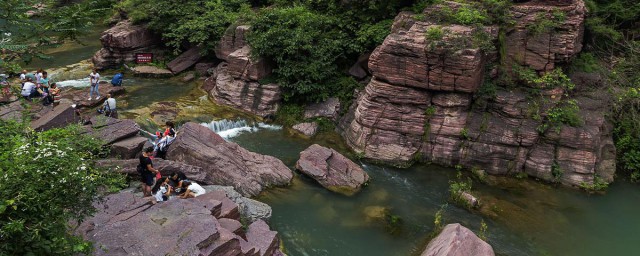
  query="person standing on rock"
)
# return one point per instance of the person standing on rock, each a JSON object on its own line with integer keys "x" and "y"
{"x": 146, "y": 170}
{"x": 94, "y": 79}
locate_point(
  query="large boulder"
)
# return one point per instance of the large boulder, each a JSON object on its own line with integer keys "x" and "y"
{"x": 110, "y": 130}
{"x": 456, "y": 240}
{"x": 121, "y": 43}
{"x": 128, "y": 148}
{"x": 250, "y": 96}
{"x": 332, "y": 170}
{"x": 185, "y": 60}
{"x": 307, "y": 129}
{"x": 232, "y": 40}
{"x": 127, "y": 224}
{"x": 227, "y": 163}
{"x": 329, "y": 108}
{"x": 242, "y": 66}
{"x": 58, "y": 117}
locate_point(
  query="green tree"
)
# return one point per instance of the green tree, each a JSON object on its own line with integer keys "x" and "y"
{"x": 46, "y": 180}
{"x": 26, "y": 30}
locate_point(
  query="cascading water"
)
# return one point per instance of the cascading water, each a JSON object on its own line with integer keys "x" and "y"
{"x": 231, "y": 128}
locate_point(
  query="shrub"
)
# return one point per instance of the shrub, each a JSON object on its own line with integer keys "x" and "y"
{"x": 48, "y": 179}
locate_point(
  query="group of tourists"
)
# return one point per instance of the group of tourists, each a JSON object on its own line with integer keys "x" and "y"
{"x": 164, "y": 188}
{"x": 37, "y": 85}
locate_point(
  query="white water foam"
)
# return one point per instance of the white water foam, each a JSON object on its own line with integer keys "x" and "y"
{"x": 229, "y": 128}
{"x": 77, "y": 83}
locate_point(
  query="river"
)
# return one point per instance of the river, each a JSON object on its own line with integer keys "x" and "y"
{"x": 526, "y": 217}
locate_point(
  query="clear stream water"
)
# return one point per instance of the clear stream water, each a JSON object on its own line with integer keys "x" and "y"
{"x": 526, "y": 217}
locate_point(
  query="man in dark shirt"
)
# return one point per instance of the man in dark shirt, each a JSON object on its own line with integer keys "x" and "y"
{"x": 148, "y": 173}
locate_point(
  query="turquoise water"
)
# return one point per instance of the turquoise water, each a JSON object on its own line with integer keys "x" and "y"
{"x": 534, "y": 219}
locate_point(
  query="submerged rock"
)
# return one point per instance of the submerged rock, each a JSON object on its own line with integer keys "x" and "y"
{"x": 226, "y": 163}
{"x": 456, "y": 240}
{"x": 332, "y": 170}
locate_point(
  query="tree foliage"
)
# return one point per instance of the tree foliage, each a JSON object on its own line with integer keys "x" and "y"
{"x": 46, "y": 180}
{"x": 198, "y": 22}
{"x": 27, "y": 28}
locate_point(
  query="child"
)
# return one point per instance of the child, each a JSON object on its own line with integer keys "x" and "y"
{"x": 54, "y": 93}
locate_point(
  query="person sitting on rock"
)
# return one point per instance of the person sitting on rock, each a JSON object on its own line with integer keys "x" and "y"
{"x": 54, "y": 93}
{"x": 164, "y": 139}
{"x": 176, "y": 178}
{"x": 163, "y": 193}
{"x": 192, "y": 190}
{"x": 29, "y": 90}
{"x": 109, "y": 107}
{"x": 146, "y": 170}
{"x": 117, "y": 80}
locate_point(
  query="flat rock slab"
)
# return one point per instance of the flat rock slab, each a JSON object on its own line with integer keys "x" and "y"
{"x": 80, "y": 96}
{"x": 129, "y": 225}
{"x": 227, "y": 163}
{"x": 185, "y": 60}
{"x": 260, "y": 239}
{"x": 307, "y": 129}
{"x": 128, "y": 148}
{"x": 332, "y": 170}
{"x": 329, "y": 109}
{"x": 457, "y": 240}
{"x": 111, "y": 130}
{"x": 12, "y": 111}
{"x": 58, "y": 117}
{"x": 151, "y": 71}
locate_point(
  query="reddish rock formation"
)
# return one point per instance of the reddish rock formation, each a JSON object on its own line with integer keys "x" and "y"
{"x": 235, "y": 82}
{"x": 127, "y": 224}
{"x": 456, "y": 240}
{"x": 543, "y": 47}
{"x": 185, "y": 60}
{"x": 306, "y": 129}
{"x": 329, "y": 108}
{"x": 420, "y": 106}
{"x": 249, "y": 96}
{"x": 128, "y": 148}
{"x": 226, "y": 163}
{"x": 121, "y": 42}
{"x": 332, "y": 170}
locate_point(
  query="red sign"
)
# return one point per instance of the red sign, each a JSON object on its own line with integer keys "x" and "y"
{"x": 144, "y": 57}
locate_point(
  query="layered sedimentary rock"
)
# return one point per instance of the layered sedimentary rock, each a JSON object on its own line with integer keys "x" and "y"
{"x": 456, "y": 240}
{"x": 539, "y": 45}
{"x": 121, "y": 43}
{"x": 235, "y": 80}
{"x": 226, "y": 163}
{"x": 126, "y": 224}
{"x": 421, "y": 106}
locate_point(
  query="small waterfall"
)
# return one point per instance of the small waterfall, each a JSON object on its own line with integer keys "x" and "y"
{"x": 231, "y": 128}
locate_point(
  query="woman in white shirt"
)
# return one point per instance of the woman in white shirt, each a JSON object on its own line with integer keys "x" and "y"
{"x": 193, "y": 190}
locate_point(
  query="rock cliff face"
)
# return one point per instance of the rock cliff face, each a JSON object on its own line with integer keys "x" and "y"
{"x": 543, "y": 47}
{"x": 235, "y": 82}
{"x": 121, "y": 43}
{"x": 422, "y": 104}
